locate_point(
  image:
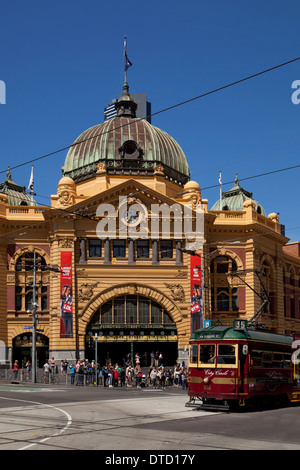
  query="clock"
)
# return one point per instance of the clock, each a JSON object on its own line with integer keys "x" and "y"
{"x": 131, "y": 216}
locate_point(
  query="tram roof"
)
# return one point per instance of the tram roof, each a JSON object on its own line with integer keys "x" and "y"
{"x": 228, "y": 332}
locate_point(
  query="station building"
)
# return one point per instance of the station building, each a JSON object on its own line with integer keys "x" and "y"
{"x": 103, "y": 273}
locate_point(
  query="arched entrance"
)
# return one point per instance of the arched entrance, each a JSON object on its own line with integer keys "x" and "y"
{"x": 130, "y": 324}
{"x": 22, "y": 349}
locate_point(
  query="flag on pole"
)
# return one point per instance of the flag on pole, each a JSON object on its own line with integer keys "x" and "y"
{"x": 220, "y": 181}
{"x": 31, "y": 181}
{"x": 127, "y": 61}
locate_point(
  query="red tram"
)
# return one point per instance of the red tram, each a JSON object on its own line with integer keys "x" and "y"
{"x": 230, "y": 367}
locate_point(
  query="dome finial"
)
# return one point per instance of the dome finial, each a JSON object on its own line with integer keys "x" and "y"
{"x": 127, "y": 64}
{"x": 8, "y": 174}
{"x": 125, "y": 106}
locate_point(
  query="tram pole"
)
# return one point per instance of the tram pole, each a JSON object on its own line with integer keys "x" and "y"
{"x": 35, "y": 305}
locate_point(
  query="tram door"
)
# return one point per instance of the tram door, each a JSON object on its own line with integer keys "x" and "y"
{"x": 243, "y": 354}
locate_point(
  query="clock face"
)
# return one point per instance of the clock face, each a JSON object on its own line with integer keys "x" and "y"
{"x": 131, "y": 216}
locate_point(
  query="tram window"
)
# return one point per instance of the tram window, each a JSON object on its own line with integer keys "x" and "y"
{"x": 286, "y": 360}
{"x": 277, "y": 360}
{"x": 267, "y": 359}
{"x": 226, "y": 354}
{"x": 207, "y": 354}
{"x": 194, "y": 354}
{"x": 256, "y": 358}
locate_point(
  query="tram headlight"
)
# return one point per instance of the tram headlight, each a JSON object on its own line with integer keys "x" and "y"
{"x": 206, "y": 380}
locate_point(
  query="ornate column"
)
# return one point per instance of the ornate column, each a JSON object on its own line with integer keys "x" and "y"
{"x": 178, "y": 252}
{"x": 107, "y": 258}
{"x": 82, "y": 259}
{"x": 131, "y": 258}
{"x": 155, "y": 259}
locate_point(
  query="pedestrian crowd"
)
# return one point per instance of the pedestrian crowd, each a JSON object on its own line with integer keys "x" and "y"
{"x": 129, "y": 375}
{"x": 114, "y": 375}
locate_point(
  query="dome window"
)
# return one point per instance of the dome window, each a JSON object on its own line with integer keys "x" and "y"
{"x": 130, "y": 150}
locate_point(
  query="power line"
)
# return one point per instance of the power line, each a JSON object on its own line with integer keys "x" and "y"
{"x": 216, "y": 90}
{"x": 255, "y": 176}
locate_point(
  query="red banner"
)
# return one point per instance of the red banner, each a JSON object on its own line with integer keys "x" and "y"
{"x": 66, "y": 297}
{"x": 196, "y": 294}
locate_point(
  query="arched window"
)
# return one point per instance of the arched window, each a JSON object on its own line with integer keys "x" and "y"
{"x": 224, "y": 298}
{"x": 24, "y": 283}
{"x": 129, "y": 310}
{"x": 268, "y": 282}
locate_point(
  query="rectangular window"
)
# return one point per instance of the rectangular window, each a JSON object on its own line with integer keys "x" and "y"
{"x": 226, "y": 354}
{"x": 194, "y": 354}
{"x": 95, "y": 248}
{"x": 267, "y": 359}
{"x": 166, "y": 249}
{"x": 28, "y": 298}
{"x": 44, "y": 298}
{"x": 207, "y": 355}
{"x": 119, "y": 248}
{"x": 256, "y": 358}
{"x": 18, "y": 298}
{"x": 142, "y": 249}
{"x": 277, "y": 360}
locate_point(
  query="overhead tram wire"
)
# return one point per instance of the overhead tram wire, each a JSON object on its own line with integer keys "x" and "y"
{"x": 216, "y": 90}
{"x": 254, "y": 176}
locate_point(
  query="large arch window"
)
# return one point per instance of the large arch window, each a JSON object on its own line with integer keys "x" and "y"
{"x": 130, "y": 310}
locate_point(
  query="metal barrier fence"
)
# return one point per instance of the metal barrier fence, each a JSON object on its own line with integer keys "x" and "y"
{"x": 22, "y": 376}
{"x": 79, "y": 379}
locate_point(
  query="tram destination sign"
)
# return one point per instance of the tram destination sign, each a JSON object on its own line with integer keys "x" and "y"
{"x": 209, "y": 335}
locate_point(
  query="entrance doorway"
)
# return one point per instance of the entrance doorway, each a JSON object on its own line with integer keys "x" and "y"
{"x": 22, "y": 349}
{"x": 119, "y": 353}
{"x": 131, "y": 324}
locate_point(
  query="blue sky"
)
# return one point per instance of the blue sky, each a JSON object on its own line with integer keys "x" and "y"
{"x": 62, "y": 61}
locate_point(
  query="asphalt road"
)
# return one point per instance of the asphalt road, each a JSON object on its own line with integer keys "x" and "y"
{"x": 123, "y": 422}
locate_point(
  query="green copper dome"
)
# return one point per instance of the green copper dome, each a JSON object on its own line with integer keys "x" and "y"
{"x": 126, "y": 145}
{"x": 233, "y": 200}
{"x": 16, "y": 194}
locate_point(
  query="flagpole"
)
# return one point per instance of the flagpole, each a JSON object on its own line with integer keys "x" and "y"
{"x": 125, "y": 54}
{"x": 31, "y": 182}
{"x": 220, "y": 181}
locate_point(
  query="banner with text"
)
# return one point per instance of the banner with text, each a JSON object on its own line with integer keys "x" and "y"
{"x": 196, "y": 294}
{"x": 66, "y": 297}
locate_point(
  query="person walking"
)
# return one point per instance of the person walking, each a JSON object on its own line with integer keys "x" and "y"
{"x": 52, "y": 362}
{"x": 16, "y": 369}
{"x": 153, "y": 377}
{"x": 28, "y": 369}
{"x": 47, "y": 369}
